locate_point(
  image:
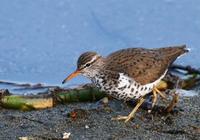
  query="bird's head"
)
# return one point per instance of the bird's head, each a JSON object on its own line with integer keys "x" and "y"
{"x": 86, "y": 65}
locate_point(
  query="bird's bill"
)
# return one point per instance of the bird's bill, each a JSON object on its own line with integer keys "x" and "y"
{"x": 72, "y": 75}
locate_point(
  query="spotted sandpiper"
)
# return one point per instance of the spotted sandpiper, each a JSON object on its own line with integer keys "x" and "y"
{"x": 128, "y": 73}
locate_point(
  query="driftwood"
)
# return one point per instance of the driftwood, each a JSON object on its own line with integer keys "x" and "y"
{"x": 87, "y": 92}
{"x": 57, "y": 96}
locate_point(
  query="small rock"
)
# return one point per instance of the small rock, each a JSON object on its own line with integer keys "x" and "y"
{"x": 66, "y": 135}
{"x": 105, "y": 100}
{"x": 86, "y": 126}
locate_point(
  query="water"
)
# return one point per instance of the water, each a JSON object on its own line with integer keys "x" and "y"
{"x": 41, "y": 40}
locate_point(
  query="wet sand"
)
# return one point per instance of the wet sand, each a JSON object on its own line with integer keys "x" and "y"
{"x": 93, "y": 121}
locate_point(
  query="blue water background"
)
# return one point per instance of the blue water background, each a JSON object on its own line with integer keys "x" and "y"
{"x": 40, "y": 40}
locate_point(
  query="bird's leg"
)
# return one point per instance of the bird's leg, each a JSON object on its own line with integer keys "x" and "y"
{"x": 159, "y": 92}
{"x": 131, "y": 115}
{"x": 173, "y": 103}
{"x": 155, "y": 96}
{"x": 154, "y": 100}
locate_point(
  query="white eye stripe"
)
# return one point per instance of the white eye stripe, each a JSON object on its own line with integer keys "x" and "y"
{"x": 91, "y": 61}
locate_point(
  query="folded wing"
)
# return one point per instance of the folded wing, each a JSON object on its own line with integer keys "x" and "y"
{"x": 143, "y": 65}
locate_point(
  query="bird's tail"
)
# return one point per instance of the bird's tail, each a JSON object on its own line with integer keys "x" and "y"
{"x": 174, "y": 52}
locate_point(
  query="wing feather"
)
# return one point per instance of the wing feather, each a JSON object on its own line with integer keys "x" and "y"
{"x": 143, "y": 65}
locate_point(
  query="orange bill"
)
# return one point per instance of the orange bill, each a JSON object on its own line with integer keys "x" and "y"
{"x": 72, "y": 75}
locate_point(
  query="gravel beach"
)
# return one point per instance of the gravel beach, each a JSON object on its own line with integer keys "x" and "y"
{"x": 93, "y": 121}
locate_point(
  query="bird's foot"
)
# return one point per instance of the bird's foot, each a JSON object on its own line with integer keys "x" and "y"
{"x": 132, "y": 114}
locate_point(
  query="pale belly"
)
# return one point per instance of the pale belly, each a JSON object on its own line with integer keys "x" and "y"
{"x": 125, "y": 88}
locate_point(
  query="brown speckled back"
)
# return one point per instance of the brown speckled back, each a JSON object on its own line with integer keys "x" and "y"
{"x": 143, "y": 65}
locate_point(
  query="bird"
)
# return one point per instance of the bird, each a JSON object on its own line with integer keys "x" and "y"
{"x": 129, "y": 73}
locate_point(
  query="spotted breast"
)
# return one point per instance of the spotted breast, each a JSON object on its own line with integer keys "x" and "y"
{"x": 122, "y": 87}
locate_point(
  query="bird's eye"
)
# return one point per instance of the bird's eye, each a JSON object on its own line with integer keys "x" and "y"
{"x": 87, "y": 65}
